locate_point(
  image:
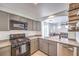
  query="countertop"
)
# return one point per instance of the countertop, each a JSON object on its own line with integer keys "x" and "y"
{"x": 56, "y": 39}
{"x": 4, "y": 43}
{"x": 64, "y": 41}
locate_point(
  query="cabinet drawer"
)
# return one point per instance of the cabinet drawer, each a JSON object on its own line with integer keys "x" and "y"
{"x": 6, "y": 51}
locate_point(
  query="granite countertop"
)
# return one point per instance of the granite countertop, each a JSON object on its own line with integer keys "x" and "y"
{"x": 64, "y": 41}
{"x": 4, "y": 43}
{"x": 56, "y": 39}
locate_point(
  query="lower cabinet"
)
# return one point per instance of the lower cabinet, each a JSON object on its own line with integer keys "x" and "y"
{"x": 43, "y": 45}
{"x": 48, "y": 47}
{"x": 78, "y": 51}
{"x": 66, "y": 50}
{"x": 6, "y": 51}
{"x": 34, "y": 45}
{"x": 52, "y": 49}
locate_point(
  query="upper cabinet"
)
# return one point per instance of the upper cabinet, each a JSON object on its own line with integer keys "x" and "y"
{"x": 17, "y": 18}
{"x": 30, "y": 26}
{"x": 18, "y": 23}
{"x": 36, "y": 25}
{"x": 4, "y": 21}
{"x": 15, "y": 22}
{"x": 14, "y": 17}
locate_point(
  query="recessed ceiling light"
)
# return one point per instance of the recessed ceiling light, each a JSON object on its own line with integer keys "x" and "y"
{"x": 50, "y": 16}
{"x": 35, "y": 3}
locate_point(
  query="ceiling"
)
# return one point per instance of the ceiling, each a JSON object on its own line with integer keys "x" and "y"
{"x": 62, "y": 19}
{"x": 34, "y": 11}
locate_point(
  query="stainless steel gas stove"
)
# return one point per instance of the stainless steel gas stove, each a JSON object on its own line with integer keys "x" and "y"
{"x": 20, "y": 45}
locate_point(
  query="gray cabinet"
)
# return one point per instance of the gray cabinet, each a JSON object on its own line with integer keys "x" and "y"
{"x": 38, "y": 27}
{"x": 78, "y": 51}
{"x": 34, "y": 25}
{"x": 48, "y": 47}
{"x": 4, "y": 21}
{"x": 30, "y": 26}
{"x": 17, "y": 18}
{"x": 43, "y": 45}
{"x": 22, "y": 19}
{"x": 34, "y": 45}
{"x": 52, "y": 49}
{"x": 14, "y": 17}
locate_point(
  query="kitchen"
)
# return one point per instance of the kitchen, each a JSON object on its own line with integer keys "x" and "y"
{"x": 43, "y": 29}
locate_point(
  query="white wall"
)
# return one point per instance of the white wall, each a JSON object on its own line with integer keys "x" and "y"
{"x": 5, "y": 34}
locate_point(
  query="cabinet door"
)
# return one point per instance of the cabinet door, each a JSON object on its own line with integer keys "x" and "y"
{"x": 43, "y": 45}
{"x": 14, "y": 17}
{"x": 30, "y": 26}
{"x": 34, "y": 25}
{"x": 53, "y": 49}
{"x": 6, "y": 51}
{"x": 36, "y": 44}
{"x": 4, "y": 21}
{"x": 66, "y": 50}
{"x": 78, "y": 51}
{"x": 32, "y": 46}
{"x": 22, "y": 19}
{"x": 38, "y": 26}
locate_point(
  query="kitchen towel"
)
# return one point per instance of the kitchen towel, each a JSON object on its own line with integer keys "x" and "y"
{"x": 23, "y": 48}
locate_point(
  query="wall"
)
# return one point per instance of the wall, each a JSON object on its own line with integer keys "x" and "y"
{"x": 5, "y": 34}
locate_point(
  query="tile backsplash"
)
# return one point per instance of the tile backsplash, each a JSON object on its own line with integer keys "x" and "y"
{"x": 72, "y": 35}
{"x": 5, "y": 34}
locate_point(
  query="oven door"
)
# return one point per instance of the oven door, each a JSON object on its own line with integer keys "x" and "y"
{"x": 21, "y": 50}
{"x": 25, "y": 49}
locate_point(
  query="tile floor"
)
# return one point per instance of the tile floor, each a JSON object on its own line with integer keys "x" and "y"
{"x": 39, "y": 53}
